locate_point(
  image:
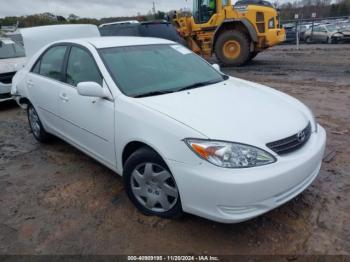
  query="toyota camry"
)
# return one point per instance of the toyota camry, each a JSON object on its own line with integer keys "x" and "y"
{"x": 184, "y": 136}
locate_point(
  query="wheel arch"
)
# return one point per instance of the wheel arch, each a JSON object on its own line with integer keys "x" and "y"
{"x": 133, "y": 146}
{"x": 241, "y": 24}
{"x": 23, "y": 102}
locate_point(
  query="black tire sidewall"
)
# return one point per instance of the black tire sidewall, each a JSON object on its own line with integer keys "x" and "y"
{"x": 144, "y": 155}
{"x": 43, "y": 135}
{"x": 244, "y": 42}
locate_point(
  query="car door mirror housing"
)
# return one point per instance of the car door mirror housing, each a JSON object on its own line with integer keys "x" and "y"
{"x": 216, "y": 67}
{"x": 92, "y": 89}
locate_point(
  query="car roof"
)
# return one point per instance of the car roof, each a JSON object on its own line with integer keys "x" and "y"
{"x": 118, "y": 41}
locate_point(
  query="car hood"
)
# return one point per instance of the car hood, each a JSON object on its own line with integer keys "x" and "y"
{"x": 35, "y": 38}
{"x": 234, "y": 110}
{"x": 10, "y": 65}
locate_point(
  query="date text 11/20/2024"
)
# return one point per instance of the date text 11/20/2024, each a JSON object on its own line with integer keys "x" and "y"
{"x": 173, "y": 258}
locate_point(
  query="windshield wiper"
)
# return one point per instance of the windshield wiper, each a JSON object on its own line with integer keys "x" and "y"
{"x": 199, "y": 84}
{"x": 153, "y": 93}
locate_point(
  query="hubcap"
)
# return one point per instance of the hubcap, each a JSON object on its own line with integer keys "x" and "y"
{"x": 34, "y": 121}
{"x": 232, "y": 49}
{"x": 154, "y": 187}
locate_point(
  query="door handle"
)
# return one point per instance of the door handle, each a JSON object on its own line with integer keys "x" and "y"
{"x": 30, "y": 83}
{"x": 64, "y": 97}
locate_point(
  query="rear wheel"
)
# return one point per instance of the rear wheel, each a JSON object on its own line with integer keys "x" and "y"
{"x": 232, "y": 48}
{"x": 36, "y": 126}
{"x": 150, "y": 185}
{"x": 308, "y": 40}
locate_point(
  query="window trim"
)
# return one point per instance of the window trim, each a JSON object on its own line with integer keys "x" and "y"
{"x": 66, "y": 60}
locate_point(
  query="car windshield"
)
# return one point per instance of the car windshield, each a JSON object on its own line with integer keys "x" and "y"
{"x": 9, "y": 49}
{"x": 157, "y": 69}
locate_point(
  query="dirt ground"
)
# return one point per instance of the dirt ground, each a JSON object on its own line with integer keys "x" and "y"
{"x": 56, "y": 200}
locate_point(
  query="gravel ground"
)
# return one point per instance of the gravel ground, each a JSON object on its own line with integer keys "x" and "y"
{"x": 56, "y": 200}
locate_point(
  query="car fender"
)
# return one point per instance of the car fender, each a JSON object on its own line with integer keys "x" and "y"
{"x": 136, "y": 122}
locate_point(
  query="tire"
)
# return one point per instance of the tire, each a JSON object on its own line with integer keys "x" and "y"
{"x": 36, "y": 126}
{"x": 308, "y": 40}
{"x": 150, "y": 185}
{"x": 333, "y": 40}
{"x": 252, "y": 55}
{"x": 232, "y": 48}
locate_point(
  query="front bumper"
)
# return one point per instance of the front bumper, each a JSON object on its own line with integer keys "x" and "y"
{"x": 5, "y": 92}
{"x": 235, "y": 195}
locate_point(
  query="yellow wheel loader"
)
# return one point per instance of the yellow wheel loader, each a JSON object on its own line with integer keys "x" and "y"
{"x": 236, "y": 34}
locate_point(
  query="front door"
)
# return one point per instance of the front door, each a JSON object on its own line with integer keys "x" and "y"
{"x": 88, "y": 121}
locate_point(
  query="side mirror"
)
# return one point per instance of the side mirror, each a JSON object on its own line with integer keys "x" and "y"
{"x": 216, "y": 67}
{"x": 92, "y": 89}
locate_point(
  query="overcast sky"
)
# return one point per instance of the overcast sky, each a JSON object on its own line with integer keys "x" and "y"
{"x": 88, "y": 8}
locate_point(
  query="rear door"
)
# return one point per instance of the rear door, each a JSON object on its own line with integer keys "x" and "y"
{"x": 44, "y": 85}
{"x": 317, "y": 34}
{"x": 87, "y": 121}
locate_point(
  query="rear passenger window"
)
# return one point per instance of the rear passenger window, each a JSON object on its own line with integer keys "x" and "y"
{"x": 51, "y": 62}
{"x": 82, "y": 68}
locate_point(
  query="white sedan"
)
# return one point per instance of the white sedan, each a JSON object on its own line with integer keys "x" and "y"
{"x": 12, "y": 58}
{"x": 184, "y": 136}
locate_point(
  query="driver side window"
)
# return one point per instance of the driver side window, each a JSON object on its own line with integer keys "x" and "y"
{"x": 81, "y": 67}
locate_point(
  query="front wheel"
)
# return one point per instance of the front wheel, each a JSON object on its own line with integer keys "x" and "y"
{"x": 332, "y": 40}
{"x": 252, "y": 55}
{"x": 232, "y": 48}
{"x": 150, "y": 185}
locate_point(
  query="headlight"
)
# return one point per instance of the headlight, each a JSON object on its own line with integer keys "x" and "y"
{"x": 228, "y": 154}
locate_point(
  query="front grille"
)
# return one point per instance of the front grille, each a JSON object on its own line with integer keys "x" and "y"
{"x": 292, "y": 143}
{"x": 6, "y": 78}
{"x": 260, "y": 22}
{"x": 260, "y": 17}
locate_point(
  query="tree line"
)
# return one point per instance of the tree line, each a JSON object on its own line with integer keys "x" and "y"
{"x": 305, "y": 8}
{"x": 51, "y": 19}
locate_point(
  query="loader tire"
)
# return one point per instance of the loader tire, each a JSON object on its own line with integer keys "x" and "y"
{"x": 232, "y": 48}
{"x": 252, "y": 55}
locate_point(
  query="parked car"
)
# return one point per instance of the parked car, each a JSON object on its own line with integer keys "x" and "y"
{"x": 159, "y": 29}
{"x": 12, "y": 58}
{"x": 324, "y": 34}
{"x": 184, "y": 136}
{"x": 291, "y": 33}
